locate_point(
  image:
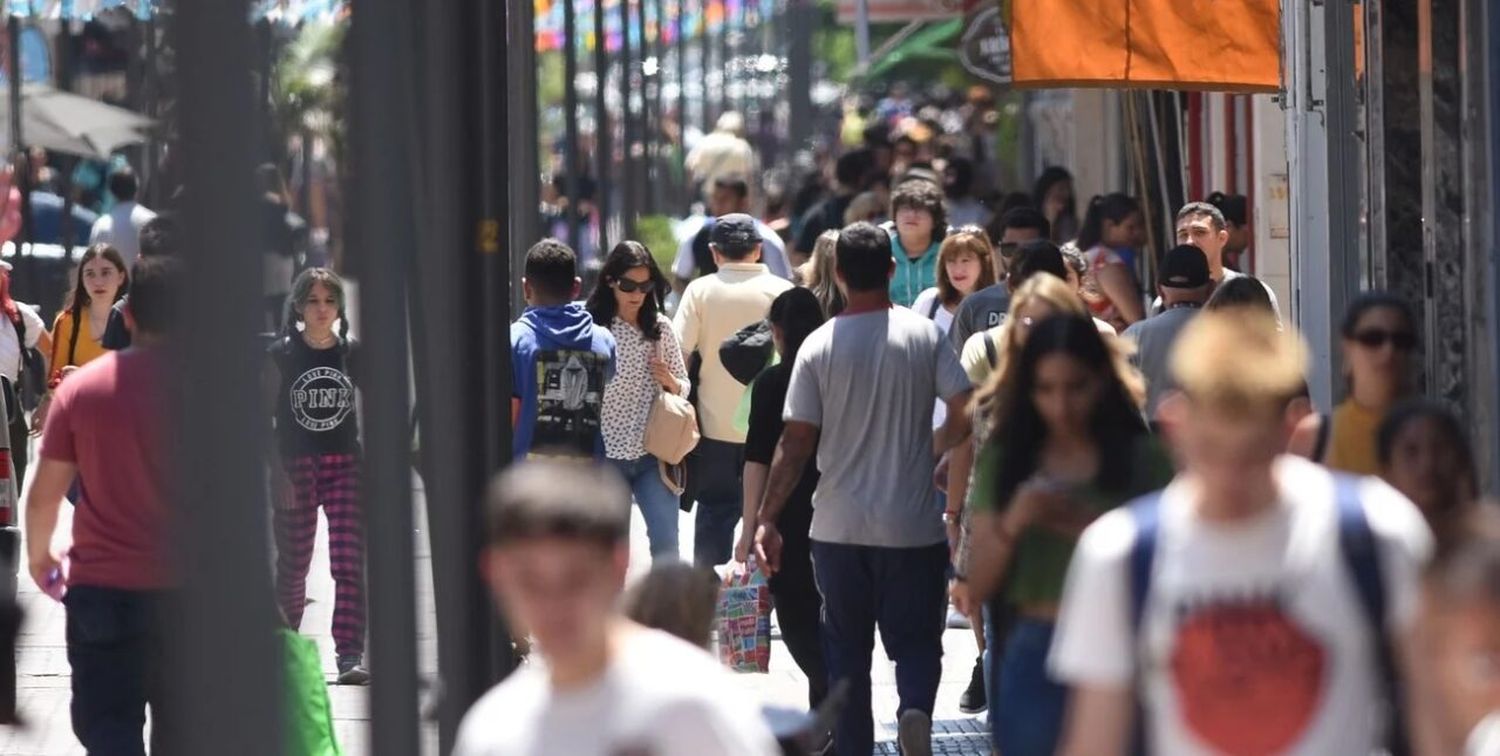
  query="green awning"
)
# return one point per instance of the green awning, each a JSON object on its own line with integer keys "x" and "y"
{"x": 935, "y": 44}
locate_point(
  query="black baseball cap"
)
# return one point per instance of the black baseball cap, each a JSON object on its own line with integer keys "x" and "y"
{"x": 735, "y": 233}
{"x": 1184, "y": 267}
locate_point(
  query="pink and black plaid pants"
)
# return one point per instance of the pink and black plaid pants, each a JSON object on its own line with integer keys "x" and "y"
{"x": 330, "y": 481}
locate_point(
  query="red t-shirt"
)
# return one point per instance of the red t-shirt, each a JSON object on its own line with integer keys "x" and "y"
{"x": 107, "y": 419}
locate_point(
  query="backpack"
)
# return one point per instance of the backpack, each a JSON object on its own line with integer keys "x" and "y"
{"x": 1361, "y": 559}
{"x": 31, "y": 383}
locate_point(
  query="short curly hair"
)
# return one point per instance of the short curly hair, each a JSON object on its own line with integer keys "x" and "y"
{"x": 922, "y": 195}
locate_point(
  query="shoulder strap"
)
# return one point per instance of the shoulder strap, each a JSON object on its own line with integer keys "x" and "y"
{"x": 1359, "y": 551}
{"x": 20, "y": 325}
{"x": 1147, "y": 515}
{"x": 933, "y": 308}
{"x": 989, "y": 348}
{"x": 1325, "y": 432}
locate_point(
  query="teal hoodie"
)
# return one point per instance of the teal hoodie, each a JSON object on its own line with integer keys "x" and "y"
{"x": 912, "y": 277}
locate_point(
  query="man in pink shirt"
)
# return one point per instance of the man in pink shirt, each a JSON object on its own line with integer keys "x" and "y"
{"x": 105, "y": 428}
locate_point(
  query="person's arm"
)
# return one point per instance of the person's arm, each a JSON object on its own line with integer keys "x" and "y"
{"x": 960, "y": 466}
{"x": 1117, "y": 284}
{"x": 1421, "y": 715}
{"x": 760, "y": 451}
{"x": 49, "y": 484}
{"x": 957, "y": 426}
{"x": 753, "y": 477}
{"x": 686, "y": 324}
{"x": 1099, "y": 721}
{"x": 798, "y": 441}
{"x": 671, "y": 354}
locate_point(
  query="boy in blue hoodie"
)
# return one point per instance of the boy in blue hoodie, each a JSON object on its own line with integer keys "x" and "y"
{"x": 560, "y": 361}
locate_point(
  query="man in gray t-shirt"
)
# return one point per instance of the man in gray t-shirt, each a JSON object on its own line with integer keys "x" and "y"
{"x": 1185, "y": 286}
{"x": 984, "y": 309}
{"x": 861, "y": 393}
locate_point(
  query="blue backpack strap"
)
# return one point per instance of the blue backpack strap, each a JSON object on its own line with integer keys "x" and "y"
{"x": 1146, "y": 512}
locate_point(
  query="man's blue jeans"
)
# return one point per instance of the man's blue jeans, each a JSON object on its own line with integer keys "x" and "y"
{"x": 903, "y": 592}
{"x": 657, "y": 502}
{"x": 115, "y": 648}
{"x": 720, "y": 500}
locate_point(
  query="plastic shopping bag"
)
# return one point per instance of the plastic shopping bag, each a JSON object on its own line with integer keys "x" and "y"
{"x": 744, "y": 619}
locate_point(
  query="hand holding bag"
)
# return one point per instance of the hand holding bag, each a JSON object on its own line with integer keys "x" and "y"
{"x": 671, "y": 428}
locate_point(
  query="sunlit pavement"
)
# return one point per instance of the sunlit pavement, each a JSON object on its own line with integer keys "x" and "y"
{"x": 44, "y": 670}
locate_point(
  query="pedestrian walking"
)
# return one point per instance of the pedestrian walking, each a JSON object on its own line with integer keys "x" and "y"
{"x": 1463, "y": 613}
{"x": 556, "y": 555}
{"x": 920, "y": 223}
{"x": 1243, "y": 291}
{"x": 988, "y": 305}
{"x": 965, "y": 264}
{"x": 561, "y": 361}
{"x": 1254, "y": 575}
{"x": 1184, "y": 285}
{"x": 1425, "y": 454}
{"x": 860, "y": 395}
{"x": 713, "y": 308}
{"x": 158, "y": 238}
{"x": 1066, "y": 444}
{"x": 819, "y": 277}
{"x": 1379, "y": 336}
{"x": 284, "y": 235}
{"x": 1236, "y": 210}
{"x": 794, "y": 315}
{"x": 1053, "y": 195}
{"x": 99, "y": 282}
{"x": 853, "y": 173}
{"x": 121, "y": 226}
{"x": 648, "y": 360}
{"x": 313, "y": 369}
{"x": 724, "y": 152}
{"x": 1204, "y": 226}
{"x": 21, "y": 348}
{"x": 108, "y": 429}
{"x": 1113, "y": 228}
{"x": 729, "y": 195}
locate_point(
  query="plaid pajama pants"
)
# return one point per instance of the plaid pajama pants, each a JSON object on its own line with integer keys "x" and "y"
{"x": 332, "y": 482}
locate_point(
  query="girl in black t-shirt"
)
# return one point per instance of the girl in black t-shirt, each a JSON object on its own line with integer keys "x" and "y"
{"x": 317, "y": 430}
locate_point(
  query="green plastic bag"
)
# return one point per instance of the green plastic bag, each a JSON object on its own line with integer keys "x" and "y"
{"x": 309, "y": 716}
{"x": 742, "y": 412}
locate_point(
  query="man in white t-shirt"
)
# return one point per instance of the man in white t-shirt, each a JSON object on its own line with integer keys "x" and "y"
{"x": 121, "y": 226}
{"x": 1203, "y": 226}
{"x": 558, "y": 549}
{"x": 1245, "y": 607}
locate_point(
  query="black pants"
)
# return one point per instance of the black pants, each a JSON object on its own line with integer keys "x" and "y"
{"x": 798, "y": 610}
{"x": 20, "y": 436}
{"x": 115, "y": 649}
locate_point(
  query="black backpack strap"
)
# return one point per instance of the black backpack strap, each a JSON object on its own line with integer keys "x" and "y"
{"x": 989, "y": 349}
{"x": 932, "y": 311}
{"x": 1325, "y": 432}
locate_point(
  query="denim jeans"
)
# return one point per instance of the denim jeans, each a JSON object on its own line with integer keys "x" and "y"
{"x": 115, "y": 650}
{"x": 720, "y": 500}
{"x": 657, "y": 502}
{"x": 903, "y": 593}
{"x": 1029, "y": 707}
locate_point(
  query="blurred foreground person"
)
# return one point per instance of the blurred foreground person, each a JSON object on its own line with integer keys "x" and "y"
{"x": 556, "y": 560}
{"x": 1464, "y": 608}
{"x": 1260, "y": 603}
{"x": 105, "y": 427}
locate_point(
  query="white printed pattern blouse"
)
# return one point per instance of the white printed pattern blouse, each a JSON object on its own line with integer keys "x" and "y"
{"x": 629, "y": 395}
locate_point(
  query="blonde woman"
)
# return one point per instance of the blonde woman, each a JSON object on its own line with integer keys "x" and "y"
{"x": 817, "y": 274}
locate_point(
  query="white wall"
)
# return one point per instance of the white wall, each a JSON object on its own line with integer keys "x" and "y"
{"x": 1272, "y": 243}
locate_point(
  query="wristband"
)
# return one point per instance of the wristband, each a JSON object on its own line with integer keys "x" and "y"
{"x": 952, "y": 516}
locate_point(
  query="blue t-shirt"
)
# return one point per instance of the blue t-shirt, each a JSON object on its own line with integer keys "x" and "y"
{"x": 560, "y": 363}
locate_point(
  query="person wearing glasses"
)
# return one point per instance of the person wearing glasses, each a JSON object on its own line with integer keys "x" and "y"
{"x": 985, "y": 308}
{"x": 648, "y": 359}
{"x": 1379, "y": 338}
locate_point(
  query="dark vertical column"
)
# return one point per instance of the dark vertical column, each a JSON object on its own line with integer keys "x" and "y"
{"x": 1485, "y": 72}
{"x": 227, "y": 614}
{"x": 659, "y": 149}
{"x": 1439, "y": 62}
{"x": 726, "y": 62}
{"x": 705, "y": 46}
{"x": 644, "y": 118}
{"x": 1343, "y": 169}
{"x": 17, "y": 137}
{"x": 572, "y": 163}
{"x": 522, "y": 166}
{"x": 801, "y": 16}
{"x": 682, "y": 193}
{"x": 629, "y": 200}
{"x": 381, "y": 138}
{"x": 603, "y": 143}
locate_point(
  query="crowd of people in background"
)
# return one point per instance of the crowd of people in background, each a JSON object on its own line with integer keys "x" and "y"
{"x": 1126, "y": 492}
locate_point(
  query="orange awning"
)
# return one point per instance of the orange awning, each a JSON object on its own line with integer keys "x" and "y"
{"x": 1220, "y": 45}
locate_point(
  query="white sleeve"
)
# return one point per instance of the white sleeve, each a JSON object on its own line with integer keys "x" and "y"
{"x": 773, "y": 252}
{"x": 99, "y": 234}
{"x": 1275, "y": 305}
{"x": 726, "y": 725}
{"x": 683, "y": 265}
{"x": 1405, "y": 547}
{"x": 804, "y": 397}
{"x": 923, "y": 303}
{"x": 1095, "y": 643}
{"x": 35, "y": 326}
{"x": 685, "y": 322}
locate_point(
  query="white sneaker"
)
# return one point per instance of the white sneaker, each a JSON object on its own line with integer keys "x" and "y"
{"x": 957, "y": 620}
{"x": 914, "y": 733}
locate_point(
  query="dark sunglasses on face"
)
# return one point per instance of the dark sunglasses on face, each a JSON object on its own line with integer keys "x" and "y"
{"x": 1008, "y": 250}
{"x": 630, "y": 287}
{"x": 1375, "y": 338}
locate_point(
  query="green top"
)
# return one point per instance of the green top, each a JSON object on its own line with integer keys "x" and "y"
{"x": 1040, "y": 563}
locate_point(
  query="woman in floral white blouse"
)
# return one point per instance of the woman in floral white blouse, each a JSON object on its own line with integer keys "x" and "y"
{"x": 648, "y": 359}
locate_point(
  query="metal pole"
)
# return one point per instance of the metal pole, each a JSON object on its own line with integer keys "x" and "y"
{"x": 381, "y": 53}
{"x": 17, "y": 138}
{"x": 726, "y": 63}
{"x": 643, "y": 172}
{"x": 521, "y": 162}
{"x": 572, "y": 164}
{"x": 705, "y": 45}
{"x": 862, "y": 33}
{"x": 228, "y": 614}
{"x": 682, "y": 115}
{"x": 800, "y": 15}
{"x": 603, "y": 141}
{"x": 629, "y": 207}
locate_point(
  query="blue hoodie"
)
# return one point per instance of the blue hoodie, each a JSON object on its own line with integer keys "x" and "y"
{"x": 560, "y": 362}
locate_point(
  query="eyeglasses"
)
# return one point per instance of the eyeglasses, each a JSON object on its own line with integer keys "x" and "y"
{"x": 630, "y": 287}
{"x": 1375, "y": 338}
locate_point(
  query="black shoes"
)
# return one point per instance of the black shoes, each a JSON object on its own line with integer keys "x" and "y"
{"x": 974, "y": 699}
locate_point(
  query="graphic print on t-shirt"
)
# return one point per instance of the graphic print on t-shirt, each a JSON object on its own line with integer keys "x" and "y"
{"x": 570, "y": 397}
{"x": 1248, "y": 677}
{"x": 321, "y": 398}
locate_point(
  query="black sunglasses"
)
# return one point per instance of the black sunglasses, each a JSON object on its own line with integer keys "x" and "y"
{"x": 630, "y": 287}
{"x": 1009, "y": 249}
{"x": 1376, "y": 338}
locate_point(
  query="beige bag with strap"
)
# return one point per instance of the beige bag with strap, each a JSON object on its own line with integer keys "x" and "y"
{"x": 671, "y": 428}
